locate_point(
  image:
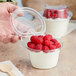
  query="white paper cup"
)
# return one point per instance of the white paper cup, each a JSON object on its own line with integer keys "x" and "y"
{"x": 43, "y": 60}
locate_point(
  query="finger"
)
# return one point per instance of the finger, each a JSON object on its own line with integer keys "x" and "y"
{"x": 19, "y": 12}
{"x": 14, "y": 39}
{"x": 2, "y": 36}
{"x": 5, "y": 39}
{"x": 10, "y": 37}
{"x": 6, "y": 36}
{"x": 11, "y": 8}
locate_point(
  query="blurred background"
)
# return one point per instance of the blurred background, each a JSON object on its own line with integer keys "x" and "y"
{"x": 39, "y": 4}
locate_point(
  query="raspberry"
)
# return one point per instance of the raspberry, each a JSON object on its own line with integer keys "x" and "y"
{"x": 32, "y": 46}
{"x": 45, "y": 49}
{"x": 54, "y": 16}
{"x": 55, "y": 11}
{"x": 51, "y": 43}
{"x": 41, "y": 36}
{"x": 38, "y": 47}
{"x": 47, "y": 13}
{"x": 33, "y": 38}
{"x": 58, "y": 45}
{"x": 46, "y": 42}
{"x": 36, "y": 39}
{"x": 52, "y": 47}
{"x": 54, "y": 40}
{"x": 29, "y": 43}
{"x": 39, "y": 40}
{"x": 47, "y": 37}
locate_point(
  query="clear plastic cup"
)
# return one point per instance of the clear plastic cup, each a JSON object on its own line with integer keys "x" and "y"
{"x": 57, "y": 27}
{"x": 43, "y": 60}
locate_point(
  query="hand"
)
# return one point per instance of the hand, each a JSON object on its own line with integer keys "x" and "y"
{"x": 7, "y": 33}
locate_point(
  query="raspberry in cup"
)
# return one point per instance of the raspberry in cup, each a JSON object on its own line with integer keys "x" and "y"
{"x": 57, "y": 20}
{"x": 44, "y": 55}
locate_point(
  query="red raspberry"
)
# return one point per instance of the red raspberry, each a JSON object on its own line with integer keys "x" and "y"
{"x": 51, "y": 43}
{"x": 54, "y": 16}
{"x": 54, "y": 40}
{"x": 47, "y": 37}
{"x": 32, "y": 46}
{"x": 58, "y": 45}
{"x": 38, "y": 47}
{"x": 46, "y": 42}
{"x": 33, "y": 38}
{"x": 41, "y": 36}
{"x": 55, "y": 11}
{"x": 45, "y": 49}
{"x": 47, "y": 13}
{"x": 29, "y": 43}
{"x": 52, "y": 47}
{"x": 39, "y": 40}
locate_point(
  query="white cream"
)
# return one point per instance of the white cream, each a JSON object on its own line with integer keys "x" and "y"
{"x": 43, "y": 60}
{"x": 56, "y": 27}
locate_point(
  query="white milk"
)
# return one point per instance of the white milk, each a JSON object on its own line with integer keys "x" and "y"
{"x": 56, "y": 27}
{"x": 43, "y": 60}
